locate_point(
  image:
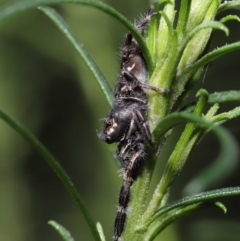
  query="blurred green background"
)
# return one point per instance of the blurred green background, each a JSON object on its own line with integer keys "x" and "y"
{"x": 47, "y": 87}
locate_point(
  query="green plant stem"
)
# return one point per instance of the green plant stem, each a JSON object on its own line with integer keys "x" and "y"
{"x": 56, "y": 167}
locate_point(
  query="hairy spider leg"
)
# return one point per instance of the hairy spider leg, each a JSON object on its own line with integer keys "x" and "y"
{"x": 130, "y": 45}
{"x": 153, "y": 88}
{"x": 138, "y": 121}
{"x": 126, "y": 89}
{"x": 144, "y": 127}
{"x": 122, "y": 210}
{"x": 134, "y": 99}
{"x": 137, "y": 83}
{"x": 127, "y": 140}
{"x": 125, "y": 149}
{"x": 141, "y": 25}
{"x": 132, "y": 86}
{"x": 129, "y": 176}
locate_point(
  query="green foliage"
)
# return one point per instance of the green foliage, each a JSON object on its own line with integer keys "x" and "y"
{"x": 175, "y": 57}
{"x": 66, "y": 236}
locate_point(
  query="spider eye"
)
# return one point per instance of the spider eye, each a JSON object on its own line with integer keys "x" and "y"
{"x": 111, "y": 126}
{"x": 125, "y": 59}
{"x": 108, "y": 122}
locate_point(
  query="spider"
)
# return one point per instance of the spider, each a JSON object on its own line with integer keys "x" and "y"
{"x": 126, "y": 123}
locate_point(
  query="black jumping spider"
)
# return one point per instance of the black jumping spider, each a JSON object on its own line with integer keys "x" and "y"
{"x": 126, "y": 123}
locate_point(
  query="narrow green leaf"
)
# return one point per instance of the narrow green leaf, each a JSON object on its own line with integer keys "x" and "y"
{"x": 218, "y": 170}
{"x": 168, "y": 21}
{"x": 186, "y": 69}
{"x": 165, "y": 69}
{"x": 183, "y": 16}
{"x": 100, "y": 231}
{"x": 152, "y": 37}
{"x": 173, "y": 216}
{"x": 56, "y": 167}
{"x": 174, "y": 119}
{"x": 208, "y": 58}
{"x": 161, "y": 2}
{"x": 224, "y": 96}
{"x": 212, "y": 112}
{"x": 210, "y": 24}
{"x": 229, "y": 18}
{"x": 64, "y": 233}
{"x": 223, "y": 117}
{"x": 228, "y": 4}
{"x": 61, "y": 24}
{"x": 201, "y": 197}
{"x": 158, "y": 59}
{"x": 18, "y": 7}
{"x": 170, "y": 42}
{"x": 221, "y": 206}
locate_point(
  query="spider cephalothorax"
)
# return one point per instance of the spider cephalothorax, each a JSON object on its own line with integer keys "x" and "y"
{"x": 124, "y": 121}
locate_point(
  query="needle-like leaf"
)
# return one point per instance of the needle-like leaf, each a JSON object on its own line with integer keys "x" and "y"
{"x": 55, "y": 166}
{"x": 97, "y": 73}
{"x": 64, "y": 233}
{"x": 18, "y": 7}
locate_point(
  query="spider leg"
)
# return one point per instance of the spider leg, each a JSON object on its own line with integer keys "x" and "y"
{"x": 134, "y": 98}
{"x": 143, "y": 126}
{"x": 122, "y": 211}
{"x": 153, "y": 88}
{"x": 131, "y": 171}
{"x": 146, "y": 19}
{"x": 130, "y": 174}
{"x": 137, "y": 83}
{"x": 141, "y": 25}
{"x": 119, "y": 147}
{"x": 128, "y": 40}
{"x": 125, "y": 150}
{"x": 128, "y": 144}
